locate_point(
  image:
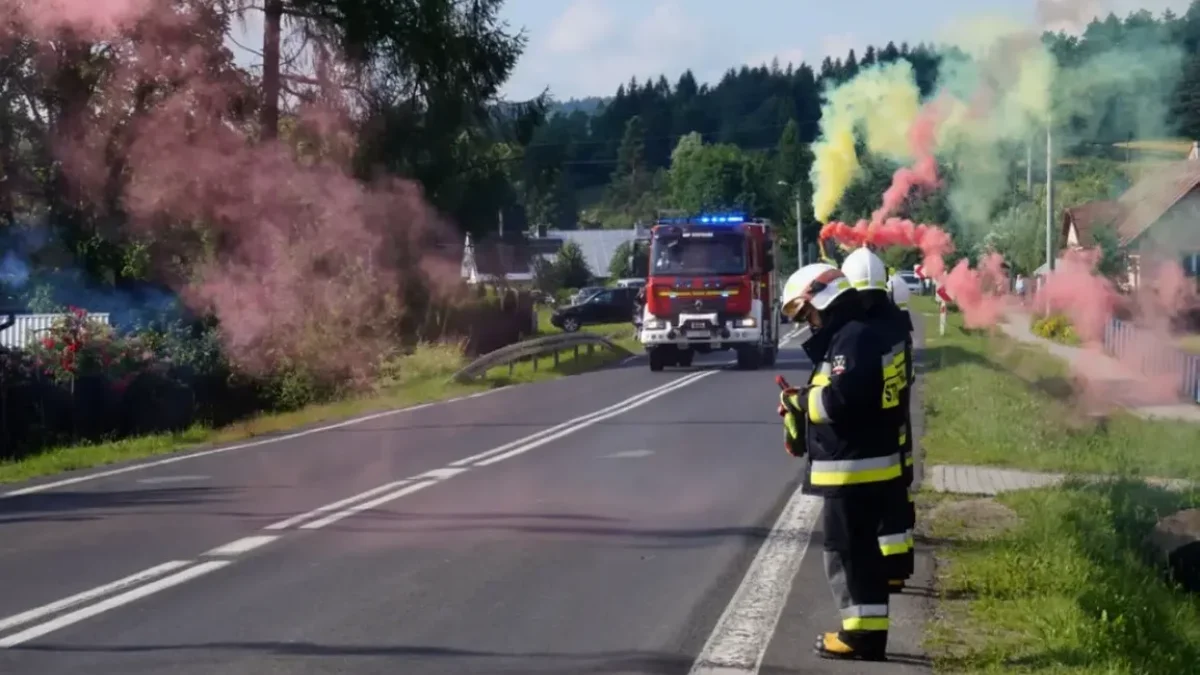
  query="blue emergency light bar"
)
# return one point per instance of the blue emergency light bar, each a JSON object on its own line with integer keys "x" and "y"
{"x": 705, "y": 219}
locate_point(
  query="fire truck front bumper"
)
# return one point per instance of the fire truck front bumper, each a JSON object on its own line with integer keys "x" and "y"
{"x": 657, "y": 332}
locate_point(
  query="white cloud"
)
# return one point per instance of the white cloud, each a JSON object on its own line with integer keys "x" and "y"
{"x": 585, "y": 25}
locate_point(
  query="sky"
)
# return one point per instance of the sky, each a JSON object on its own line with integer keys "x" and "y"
{"x": 580, "y": 48}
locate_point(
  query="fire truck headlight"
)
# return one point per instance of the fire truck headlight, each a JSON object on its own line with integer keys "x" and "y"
{"x": 655, "y": 324}
{"x": 748, "y": 322}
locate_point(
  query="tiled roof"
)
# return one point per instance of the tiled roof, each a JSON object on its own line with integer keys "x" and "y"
{"x": 598, "y": 246}
{"x": 1146, "y": 202}
{"x": 1087, "y": 217}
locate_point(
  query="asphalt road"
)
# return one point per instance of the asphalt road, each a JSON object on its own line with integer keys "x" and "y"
{"x": 621, "y": 521}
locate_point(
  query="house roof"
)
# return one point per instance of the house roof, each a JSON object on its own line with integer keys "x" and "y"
{"x": 507, "y": 256}
{"x": 1152, "y": 196}
{"x": 598, "y": 246}
{"x": 1089, "y": 216}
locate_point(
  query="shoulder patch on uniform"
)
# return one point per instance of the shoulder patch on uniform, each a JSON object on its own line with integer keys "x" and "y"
{"x": 839, "y": 364}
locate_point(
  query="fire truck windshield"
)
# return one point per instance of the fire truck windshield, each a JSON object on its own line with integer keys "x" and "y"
{"x": 699, "y": 253}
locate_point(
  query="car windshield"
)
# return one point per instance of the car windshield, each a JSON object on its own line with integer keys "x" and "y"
{"x": 699, "y": 253}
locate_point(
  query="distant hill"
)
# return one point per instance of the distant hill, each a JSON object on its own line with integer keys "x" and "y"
{"x": 588, "y": 105}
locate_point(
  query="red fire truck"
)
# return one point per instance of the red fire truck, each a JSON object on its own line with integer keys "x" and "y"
{"x": 710, "y": 285}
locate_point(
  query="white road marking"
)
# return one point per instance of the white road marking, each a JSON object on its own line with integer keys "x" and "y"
{"x": 240, "y": 446}
{"x": 294, "y": 520}
{"x": 112, "y": 603}
{"x": 627, "y": 404}
{"x": 521, "y": 449}
{"x": 171, "y": 479}
{"x": 358, "y": 508}
{"x": 439, "y": 474}
{"x": 91, "y": 594}
{"x": 242, "y": 545}
{"x": 742, "y": 634}
{"x": 629, "y": 454}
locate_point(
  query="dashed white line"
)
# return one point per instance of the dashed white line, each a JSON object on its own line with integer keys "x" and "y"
{"x": 358, "y": 508}
{"x": 112, "y": 603}
{"x": 320, "y": 511}
{"x": 243, "y": 545}
{"x": 740, "y": 639}
{"x": 91, "y": 594}
{"x": 440, "y": 474}
{"x": 581, "y": 421}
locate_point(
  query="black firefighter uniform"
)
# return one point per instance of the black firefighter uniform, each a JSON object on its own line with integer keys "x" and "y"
{"x": 896, "y": 535}
{"x": 855, "y": 464}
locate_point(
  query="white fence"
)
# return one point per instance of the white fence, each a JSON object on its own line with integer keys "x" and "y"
{"x": 1120, "y": 340}
{"x": 30, "y": 327}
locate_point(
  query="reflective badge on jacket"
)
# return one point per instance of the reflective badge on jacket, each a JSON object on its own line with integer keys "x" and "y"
{"x": 895, "y": 376}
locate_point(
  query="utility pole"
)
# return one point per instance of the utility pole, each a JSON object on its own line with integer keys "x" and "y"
{"x": 1049, "y": 201}
{"x": 1029, "y": 167}
{"x": 799, "y": 231}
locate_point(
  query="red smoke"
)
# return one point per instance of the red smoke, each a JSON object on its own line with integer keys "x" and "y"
{"x": 933, "y": 242}
{"x": 922, "y": 139}
{"x": 301, "y": 262}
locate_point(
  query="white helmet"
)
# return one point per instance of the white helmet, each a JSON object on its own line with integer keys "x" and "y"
{"x": 865, "y": 270}
{"x": 817, "y": 283}
{"x": 898, "y": 289}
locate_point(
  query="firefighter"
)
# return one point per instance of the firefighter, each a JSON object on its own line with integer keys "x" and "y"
{"x": 900, "y": 293}
{"x": 868, "y": 275}
{"x": 853, "y": 461}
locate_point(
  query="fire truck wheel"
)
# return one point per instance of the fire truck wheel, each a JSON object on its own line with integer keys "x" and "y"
{"x": 657, "y": 360}
{"x": 685, "y": 358}
{"x": 748, "y": 358}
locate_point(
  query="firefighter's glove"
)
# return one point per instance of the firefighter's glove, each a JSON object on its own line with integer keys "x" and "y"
{"x": 792, "y": 412}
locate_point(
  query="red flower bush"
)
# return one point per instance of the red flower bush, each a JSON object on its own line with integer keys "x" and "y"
{"x": 77, "y": 346}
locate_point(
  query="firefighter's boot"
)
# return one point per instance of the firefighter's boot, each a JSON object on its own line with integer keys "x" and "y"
{"x": 832, "y": 646}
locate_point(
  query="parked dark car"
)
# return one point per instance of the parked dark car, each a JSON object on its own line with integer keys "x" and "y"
{"x": 611, "y": 305}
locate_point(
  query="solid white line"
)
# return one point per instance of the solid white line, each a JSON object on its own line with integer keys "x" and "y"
{"x": 740, "y": 638}
{"x": 80, "y": 598}
{"x": 284, "y": 524}
{"x": 680, "y": 384}
{"x": 230, "y": 448}
{"x": 358, "y": 508}
{"x": 243, "y": 545}
{"x": 440, "y": 474}
{"x": 111, "y": 603}
{"x": 473, "y": 459}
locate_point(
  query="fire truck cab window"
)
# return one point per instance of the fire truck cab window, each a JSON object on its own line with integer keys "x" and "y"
{"x": 709, "y": 253}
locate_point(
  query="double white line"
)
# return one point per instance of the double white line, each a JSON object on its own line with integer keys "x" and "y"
{"x": 164, "y": 576}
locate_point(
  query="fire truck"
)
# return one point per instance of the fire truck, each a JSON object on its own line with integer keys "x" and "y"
{"x": 710, "y": 286}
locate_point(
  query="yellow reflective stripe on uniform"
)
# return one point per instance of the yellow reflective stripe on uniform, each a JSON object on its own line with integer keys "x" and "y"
{"x": 908, "y": 460}
{"x": 908, "y": 539}
{"x": 865, "y": 617}
{"x": 904, "y": 434}
{"x": 855, "y": 471}
{"x": 895, "y": 544}
{"x": 817, "y": 414}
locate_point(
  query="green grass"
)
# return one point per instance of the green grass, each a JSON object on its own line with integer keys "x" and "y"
{"x": 1067, "y": 588}
{"x": 417, "y": 378}
{"x": 991, "y": 400}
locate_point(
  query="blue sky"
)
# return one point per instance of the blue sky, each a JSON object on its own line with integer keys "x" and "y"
{"x": 588, "y": 47}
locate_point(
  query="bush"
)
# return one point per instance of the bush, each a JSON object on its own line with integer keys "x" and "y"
{"x": 1055, "y": 327}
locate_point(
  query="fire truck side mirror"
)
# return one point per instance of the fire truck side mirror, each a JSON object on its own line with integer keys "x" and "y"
{"x": 769, "y": 263}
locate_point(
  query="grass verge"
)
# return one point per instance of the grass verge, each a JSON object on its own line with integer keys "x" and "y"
{"x": 1058, "y": 581}
{"x": 416, "y": 378}
{"x": 995, "y": 401}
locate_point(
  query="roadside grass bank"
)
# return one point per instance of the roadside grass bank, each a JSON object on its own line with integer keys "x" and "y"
{"x": 1057, "y": 580}
{"x": 991, "y": 400}
{"x": 420, "y": 377}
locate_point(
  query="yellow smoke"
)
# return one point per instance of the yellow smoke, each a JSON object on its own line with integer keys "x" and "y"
{"x": 881, "y": 101}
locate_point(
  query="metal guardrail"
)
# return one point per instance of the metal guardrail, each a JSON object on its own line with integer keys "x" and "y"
{"x": 533, "y": 350}
{"x": 1120, "y": 340}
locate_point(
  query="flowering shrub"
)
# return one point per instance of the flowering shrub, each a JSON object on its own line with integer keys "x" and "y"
{"x": 77, "y": 346}
{"x": 1055, "y": 327}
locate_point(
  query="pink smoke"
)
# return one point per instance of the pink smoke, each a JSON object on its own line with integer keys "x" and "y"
{"x": 922, "y": 139}
{"x": 301, "y": 262}
{"x": 980, "y": 294}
